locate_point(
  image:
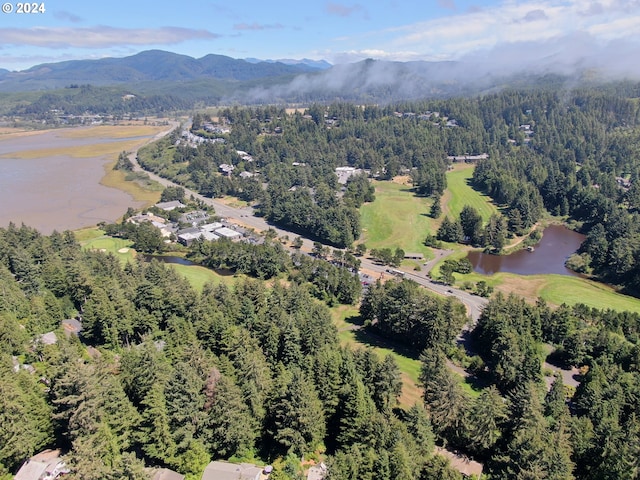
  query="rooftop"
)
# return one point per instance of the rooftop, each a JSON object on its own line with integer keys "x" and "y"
{"x": 231, "y": 471}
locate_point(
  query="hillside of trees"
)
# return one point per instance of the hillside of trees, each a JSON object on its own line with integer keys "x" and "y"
{"x": 163, "y": 375}
{"x": 572, "y": 154}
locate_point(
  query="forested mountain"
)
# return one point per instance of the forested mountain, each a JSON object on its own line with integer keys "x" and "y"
{"x": 147, "y": 66}
{"x": 172, "y": 82}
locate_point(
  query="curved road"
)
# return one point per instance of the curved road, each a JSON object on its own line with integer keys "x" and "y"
{"x": 245, "y": 217}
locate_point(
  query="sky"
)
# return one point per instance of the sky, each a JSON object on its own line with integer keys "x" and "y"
{"x": 338, "y": 31}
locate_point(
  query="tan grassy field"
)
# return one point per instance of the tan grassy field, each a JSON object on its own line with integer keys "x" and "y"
{"x": 83, "y": 151}
{"x": 113, "y": 131}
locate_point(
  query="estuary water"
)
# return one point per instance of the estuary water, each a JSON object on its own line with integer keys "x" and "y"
{"x": 57, "y": 192}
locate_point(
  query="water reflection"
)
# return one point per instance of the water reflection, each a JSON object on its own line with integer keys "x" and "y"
{"x": 548, "y": 256}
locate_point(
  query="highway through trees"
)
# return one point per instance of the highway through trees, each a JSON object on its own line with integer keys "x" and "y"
{"x": 244, "y": 216}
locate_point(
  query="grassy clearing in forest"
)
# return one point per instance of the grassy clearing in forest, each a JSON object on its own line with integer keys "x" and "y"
{"x": 459, "y": 194}
{"x": 198, "y": 276}
{"x": 346, "y": 319}
{"x": 397, "y": 218}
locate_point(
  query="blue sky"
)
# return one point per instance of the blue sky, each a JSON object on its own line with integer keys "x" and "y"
{"x": 338, "y": 31}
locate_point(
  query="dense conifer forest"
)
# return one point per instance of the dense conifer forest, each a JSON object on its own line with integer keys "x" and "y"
{"x": 573, "y": 154}
{"x": 164, "y": 375}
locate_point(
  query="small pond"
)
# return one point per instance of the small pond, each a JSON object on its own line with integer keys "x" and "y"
{"x": 548, "y": 256}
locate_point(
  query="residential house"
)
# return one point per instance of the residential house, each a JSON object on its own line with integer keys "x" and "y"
{"x": 165, "y": 474}
{"x": 48, "y": 338}
{"x": 344, "y": 173}
{"x": 168, "y": 206}
{"x": 231, "y": 471}
{"x": 72, "y": 326}
{"x": 317, "y": 472}
{"x": 226, "y": 168}
{"x": 467, "y": 467}
{"x": 46, "y": 465}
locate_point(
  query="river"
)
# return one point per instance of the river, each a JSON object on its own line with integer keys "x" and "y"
{"x": 548, "y": 256}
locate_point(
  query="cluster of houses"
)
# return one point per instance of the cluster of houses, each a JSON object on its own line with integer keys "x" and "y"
{"x": 48, "y": 465}
{"x": 198, "y": 221}
{"x": 195, "y": 140}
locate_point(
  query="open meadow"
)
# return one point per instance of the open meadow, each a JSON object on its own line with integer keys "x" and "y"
{"x": 459, "y": 193}
{"x": 397, "y": 218}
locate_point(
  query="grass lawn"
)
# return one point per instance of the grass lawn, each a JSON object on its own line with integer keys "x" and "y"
{"x": 459, "y": 194}
{"x": 94, "y": 238}
{"x": 397, "y": 218}
{"x": 559, "y": 289}
{"x": 198, "y": 276}
{"x": 556, "y": 290}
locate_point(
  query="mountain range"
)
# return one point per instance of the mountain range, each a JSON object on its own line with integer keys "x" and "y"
{"x": 162, "y": 81}
{"x": 149, "y": 66}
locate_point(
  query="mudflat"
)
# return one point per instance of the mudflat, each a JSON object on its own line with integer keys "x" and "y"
{"x": 50, "y": 180}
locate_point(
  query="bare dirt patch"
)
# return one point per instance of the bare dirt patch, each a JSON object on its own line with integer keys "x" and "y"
{"x": 528, "y": 287}
{"x": 402, "y": 180}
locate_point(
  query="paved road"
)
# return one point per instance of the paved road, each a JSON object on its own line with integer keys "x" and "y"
{"x": 245, "y": 217}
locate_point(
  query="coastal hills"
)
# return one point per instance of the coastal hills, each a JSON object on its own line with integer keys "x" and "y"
{"x": 160, "y": 81}
{"x": 147, "y": 66}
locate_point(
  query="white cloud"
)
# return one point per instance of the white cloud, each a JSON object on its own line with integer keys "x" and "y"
{"x": 98, "y": 37}
{"x": 510, "y": 22}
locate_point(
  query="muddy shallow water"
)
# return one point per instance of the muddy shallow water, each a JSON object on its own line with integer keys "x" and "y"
{"x": 58, "y": 192}
{"x": 548, "y": 256}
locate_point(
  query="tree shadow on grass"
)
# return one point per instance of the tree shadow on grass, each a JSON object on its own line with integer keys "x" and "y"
{"x": 370, "y": 338}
